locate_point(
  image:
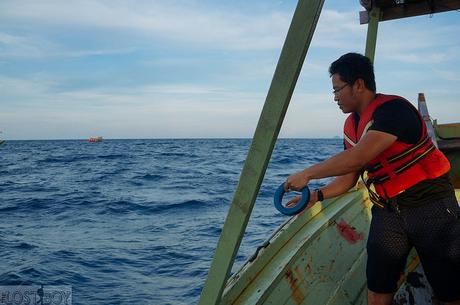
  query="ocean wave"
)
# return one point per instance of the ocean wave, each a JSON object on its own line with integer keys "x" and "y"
{"x": 178, "y": 154}
{"x": 150, "y": 177}
{"x": 25, "y": 246}
{"x": 113, "y": 156}
{"x": 66, "y": 159}
{"x": 284, "y": 160}
{"x": 9, "y": 208}
{"x": 30, "y": 272}
{"x": 33, "y": 204}
{"x": 124, "y": 206}
{"x": 12, "y": 278}
{"x": 63, "y": 254}
{"x": 211, "y": 230}
{"x": 71, "y": 276}
{"x": 184, "y": 205}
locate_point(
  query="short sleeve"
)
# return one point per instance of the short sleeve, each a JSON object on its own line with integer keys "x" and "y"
{"x": 399, "y": 119}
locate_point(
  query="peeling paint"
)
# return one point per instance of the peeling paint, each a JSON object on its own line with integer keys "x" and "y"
{"x": 293, "y": 281}
{"x": 348, "y": 232}
{"x": 308, "y": 268}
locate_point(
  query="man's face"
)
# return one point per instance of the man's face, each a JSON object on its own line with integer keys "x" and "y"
{"x": 344, "y": 95}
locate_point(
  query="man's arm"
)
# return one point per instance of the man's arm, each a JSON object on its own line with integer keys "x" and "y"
{"x": 336, "y": 187}
{"x": 349, "y": 161}
{"x": 340, "y": 185}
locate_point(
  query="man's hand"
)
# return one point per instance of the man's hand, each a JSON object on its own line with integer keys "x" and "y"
{"x": 296, "y": 182}
{"x": 336, "y": 187}
{"x": 296, "y": 199}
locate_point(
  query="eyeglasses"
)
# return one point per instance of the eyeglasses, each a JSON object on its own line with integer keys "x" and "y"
{"x": 338, "y": 90}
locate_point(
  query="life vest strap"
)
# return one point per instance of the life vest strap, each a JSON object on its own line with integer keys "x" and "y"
{"x": 415, "y": 160}
{"x": 373, "y": 196}
{"x": 409, "y": 150}
{"x": 401, "y": 155}
{"x": 403, "y": 167}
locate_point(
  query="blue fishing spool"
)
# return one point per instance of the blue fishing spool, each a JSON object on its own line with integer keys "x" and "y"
{"x": 300, "y": 206}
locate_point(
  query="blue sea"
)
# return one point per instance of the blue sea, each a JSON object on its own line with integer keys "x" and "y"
{"x": 131, "y": 221}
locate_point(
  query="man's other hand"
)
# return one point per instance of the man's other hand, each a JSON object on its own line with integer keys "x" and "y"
{"x": 296, "y": 199}
{"x": 296, "y": 182}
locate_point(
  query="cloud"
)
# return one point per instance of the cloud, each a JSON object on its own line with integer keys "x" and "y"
{"x": 36, "y": 109}
{"x": 420, "y": 58}
{"x": 448, "y": 75}
{"x": 183, "y": 22}
{"x": 339, "y": 30}
{"x": 22, "y": 46}
{"x": 167, "y": 20}
{"x": 418, "y": 42}
{"x": 15, "y": 46}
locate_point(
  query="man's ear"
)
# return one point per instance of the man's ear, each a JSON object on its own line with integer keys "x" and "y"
{"x": 359, "y": 85}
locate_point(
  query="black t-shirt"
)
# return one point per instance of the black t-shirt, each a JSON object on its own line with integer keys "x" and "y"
{"x": 403, "y": 121}
{"x": 399, "y": 119}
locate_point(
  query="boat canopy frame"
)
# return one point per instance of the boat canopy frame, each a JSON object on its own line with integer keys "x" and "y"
{"x": 396, "y": 9}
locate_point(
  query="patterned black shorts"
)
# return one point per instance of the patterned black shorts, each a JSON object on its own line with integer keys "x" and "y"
{"x": 433, "y": 229}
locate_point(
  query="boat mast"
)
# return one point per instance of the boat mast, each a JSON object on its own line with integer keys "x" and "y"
{"x": 287, "y": 71}
{"x": 423, "y": 108}
{"x": 372, "y": 27}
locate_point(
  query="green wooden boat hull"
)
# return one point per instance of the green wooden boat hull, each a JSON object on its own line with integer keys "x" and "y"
{"x": 448, "y": 138}
{"x": 308, "y": 261}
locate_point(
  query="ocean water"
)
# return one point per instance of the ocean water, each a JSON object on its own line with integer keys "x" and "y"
{"x": 131, "y": 221}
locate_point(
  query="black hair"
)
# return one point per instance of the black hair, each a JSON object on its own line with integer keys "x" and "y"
{"x": 353, "y": 66}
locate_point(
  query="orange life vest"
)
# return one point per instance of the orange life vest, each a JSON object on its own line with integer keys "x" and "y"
{"x": 400, "y": 166}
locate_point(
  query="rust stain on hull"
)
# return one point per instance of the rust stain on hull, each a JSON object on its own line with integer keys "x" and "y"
{"x": 293, "y": 278}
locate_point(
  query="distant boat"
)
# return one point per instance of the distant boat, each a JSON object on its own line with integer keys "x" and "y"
{"x": 2, "y": 141}
{"x": 95, "y": 139}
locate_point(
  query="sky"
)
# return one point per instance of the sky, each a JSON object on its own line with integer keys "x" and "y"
{"x": 199, "y": 68}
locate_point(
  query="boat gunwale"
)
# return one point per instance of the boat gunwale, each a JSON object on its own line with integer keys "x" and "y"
{"x": 333, "y": 210}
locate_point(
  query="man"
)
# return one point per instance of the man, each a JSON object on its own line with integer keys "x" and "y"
{"x": 414, "y": 202}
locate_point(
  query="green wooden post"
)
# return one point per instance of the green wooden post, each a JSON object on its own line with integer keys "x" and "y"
{"x": 372, "y": 27}
{"x": 287, "y": 71}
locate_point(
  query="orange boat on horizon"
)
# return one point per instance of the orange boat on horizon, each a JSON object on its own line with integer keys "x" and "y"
{"x": 95, "y": 139}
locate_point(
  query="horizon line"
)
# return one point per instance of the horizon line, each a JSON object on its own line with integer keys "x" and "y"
{"x": 171, "y": 138}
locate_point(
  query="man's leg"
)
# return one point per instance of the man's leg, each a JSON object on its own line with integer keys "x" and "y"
{"x": 374, "y": 298}
{"x": 387, "y": 249}
{"x": 435, "y": 232}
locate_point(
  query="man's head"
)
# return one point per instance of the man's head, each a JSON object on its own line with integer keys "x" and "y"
{"x": 353, "y": 81}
